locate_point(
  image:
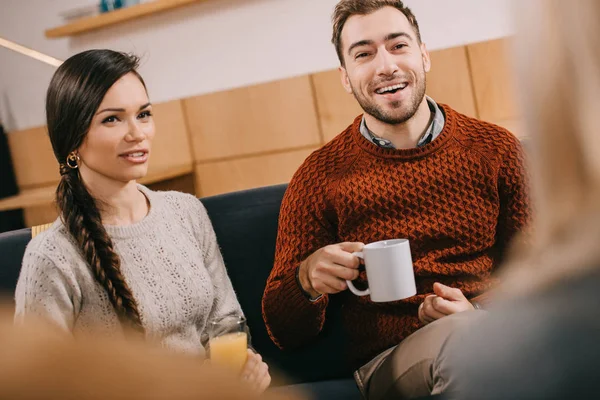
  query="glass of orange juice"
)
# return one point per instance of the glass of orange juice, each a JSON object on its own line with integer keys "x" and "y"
{"x": 228, "y": 342}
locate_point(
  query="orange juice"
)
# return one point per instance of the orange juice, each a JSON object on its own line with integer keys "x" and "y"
{"x": 230, "y": 350}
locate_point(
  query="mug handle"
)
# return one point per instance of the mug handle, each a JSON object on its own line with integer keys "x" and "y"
{"x": 351, "y": 286}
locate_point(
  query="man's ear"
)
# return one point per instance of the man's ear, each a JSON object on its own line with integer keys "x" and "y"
{"x": 345, "y": 80}
{"x": 426, "y": 58}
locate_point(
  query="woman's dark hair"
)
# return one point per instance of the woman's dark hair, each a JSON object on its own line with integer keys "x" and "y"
{"x": 74, "y": 95}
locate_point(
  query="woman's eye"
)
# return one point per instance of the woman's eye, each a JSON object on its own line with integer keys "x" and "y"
{"x": 110, "y": 119}
{"x": 145, "y": 114}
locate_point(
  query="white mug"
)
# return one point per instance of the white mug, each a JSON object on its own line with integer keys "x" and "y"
{"x": 389, "y": 271}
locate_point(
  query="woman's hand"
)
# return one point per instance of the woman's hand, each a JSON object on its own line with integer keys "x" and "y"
{"x": 256, "y": 372}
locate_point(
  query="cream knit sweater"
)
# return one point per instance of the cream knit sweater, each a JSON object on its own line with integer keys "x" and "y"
{"x": 170, "y": 260}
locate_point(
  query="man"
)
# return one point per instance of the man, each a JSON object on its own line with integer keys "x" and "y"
{"x": 408, "y": 168}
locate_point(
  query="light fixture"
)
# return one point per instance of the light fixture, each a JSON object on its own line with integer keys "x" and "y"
{"x": 29, "y": 52}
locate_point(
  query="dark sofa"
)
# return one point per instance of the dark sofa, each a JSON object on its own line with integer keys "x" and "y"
{"x": 245, "y": 223}
{"x": 246, "y": 226}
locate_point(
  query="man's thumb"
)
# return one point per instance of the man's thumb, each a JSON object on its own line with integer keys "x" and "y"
{"x": 445, "y": 292}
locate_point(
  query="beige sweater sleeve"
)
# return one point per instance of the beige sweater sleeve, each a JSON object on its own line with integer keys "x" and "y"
{"x": 45, "y": 291}
{"x": 226, "y": 302}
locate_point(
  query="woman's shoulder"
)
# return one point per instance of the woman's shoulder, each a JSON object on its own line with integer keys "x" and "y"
{"x": 53, "y": 238}
{"x": 54, "y": 246}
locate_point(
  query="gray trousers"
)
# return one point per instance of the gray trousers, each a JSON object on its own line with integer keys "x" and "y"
{"x": 415, "y": 367}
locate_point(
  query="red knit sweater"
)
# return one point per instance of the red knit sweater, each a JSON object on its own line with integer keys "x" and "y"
{"x": 459, "y": 200}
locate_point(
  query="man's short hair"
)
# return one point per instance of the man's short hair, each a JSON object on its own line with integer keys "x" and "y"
{"x": 347, "y": 8}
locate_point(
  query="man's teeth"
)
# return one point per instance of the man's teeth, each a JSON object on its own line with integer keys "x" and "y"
{"x": 391, "y": 88}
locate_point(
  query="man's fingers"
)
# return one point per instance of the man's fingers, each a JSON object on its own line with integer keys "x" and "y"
{"x": 420, "y": 313}
{"x": 325, "y": 269}
{"x": 351, "y": 247}
{"x": 444, "y": 306}
{"x": 334, "y": 279}
{"x": 344, "y": 273}
{"x": 428, "y": 309}
{"x": 330, "y": 285}
{"x": 333, "y": 260}
{"x": 447, "y": 292}
{"x": 336, "y": 255}
{"x": 424, "y": 318}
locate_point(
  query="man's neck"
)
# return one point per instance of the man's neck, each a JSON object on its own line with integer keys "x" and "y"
{"x": 405, "y": 135}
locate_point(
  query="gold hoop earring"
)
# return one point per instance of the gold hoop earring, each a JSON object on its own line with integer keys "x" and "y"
{"x": 73, "y": 160}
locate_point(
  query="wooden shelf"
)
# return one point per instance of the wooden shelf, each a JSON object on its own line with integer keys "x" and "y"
{"x": 44, "y": 196}
{"x": 114, "y": 17}
{"x": 41, "y": 196}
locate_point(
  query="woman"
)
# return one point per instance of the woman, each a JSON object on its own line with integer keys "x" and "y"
{"x": 541, "y": 342}
{"x": 121, "y": 255}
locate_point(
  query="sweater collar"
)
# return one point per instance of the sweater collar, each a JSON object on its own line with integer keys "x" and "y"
{"x": 140, "y": 228}
{"x": 433, "y": 130}
{"x": 438, "y": 143}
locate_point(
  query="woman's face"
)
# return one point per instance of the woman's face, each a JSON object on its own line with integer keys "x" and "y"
{"x": 117, "y": 145}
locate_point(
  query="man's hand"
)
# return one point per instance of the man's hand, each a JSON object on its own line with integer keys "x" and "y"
{"x": 326, "y": 270}
{"x": 445, "y": 301}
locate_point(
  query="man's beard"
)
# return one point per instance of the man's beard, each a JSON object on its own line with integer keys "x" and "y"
{"x": 396, "y": 116}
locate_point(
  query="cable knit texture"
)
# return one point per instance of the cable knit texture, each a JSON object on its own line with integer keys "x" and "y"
{"x": 170, "y": 260}
{"x": 459, "y": 200}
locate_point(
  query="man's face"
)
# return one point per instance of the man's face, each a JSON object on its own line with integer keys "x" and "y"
{"x": 385, "y": 65}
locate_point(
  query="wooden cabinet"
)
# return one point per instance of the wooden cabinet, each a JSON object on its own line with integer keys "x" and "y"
{"x": 259, "y": 135}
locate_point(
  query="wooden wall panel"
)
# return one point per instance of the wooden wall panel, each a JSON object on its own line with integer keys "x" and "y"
{"x": 449, "y": 81}
{"x": 32, "y": 157}
{"x": 184, "y": 183}
{"x": 259, "y": 135}
{"x": 335, "y": 107}
{"x": 515, "y": 126}
{"x": 246, "y": 173}
{"x": 171, "y": 147}
{"x": 493, "y": 80}
{"x": 40, "y": 215}
{"x": 268, "y": 117}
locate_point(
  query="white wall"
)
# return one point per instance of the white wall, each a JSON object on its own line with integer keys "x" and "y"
{"x": 213, "y": 45}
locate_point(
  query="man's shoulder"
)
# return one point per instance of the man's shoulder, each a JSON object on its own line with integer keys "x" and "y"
{"x": 333, "y": 155}
{"x": 483, "y": 136}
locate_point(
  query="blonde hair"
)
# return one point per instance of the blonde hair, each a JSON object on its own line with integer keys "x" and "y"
{"x": 40, "y": 361}
{"x": 558, "y": 70}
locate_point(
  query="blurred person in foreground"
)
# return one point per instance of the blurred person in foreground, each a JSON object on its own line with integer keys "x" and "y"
{"x": 541, "y": 341}
{"x": 38, "y": 361}
{"x": 122, "y": 255}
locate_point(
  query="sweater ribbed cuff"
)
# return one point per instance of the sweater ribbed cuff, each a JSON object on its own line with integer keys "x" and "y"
{"x": 299, "y": 300}
{"x": 308, "y": 296}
